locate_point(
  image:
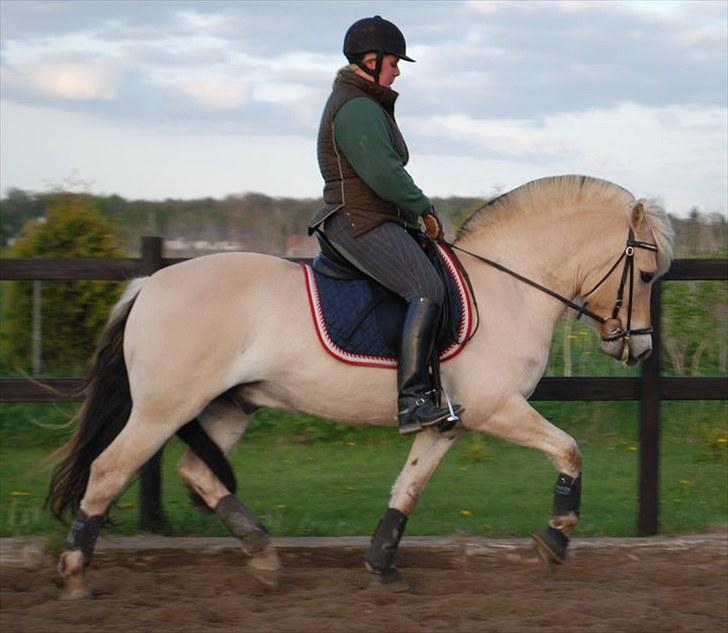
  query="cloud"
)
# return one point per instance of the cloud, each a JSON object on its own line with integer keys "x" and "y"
{"x": 65, "y": 80}
{"x": 669, "y": 152}
{"x": 215, "y": 93}
{"x": 511, "y": 90}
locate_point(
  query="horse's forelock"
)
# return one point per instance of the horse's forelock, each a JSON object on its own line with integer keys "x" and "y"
{"x": 662, "y": 231}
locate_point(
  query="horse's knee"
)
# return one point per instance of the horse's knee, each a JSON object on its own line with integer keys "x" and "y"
{"x": 569, "y": 459}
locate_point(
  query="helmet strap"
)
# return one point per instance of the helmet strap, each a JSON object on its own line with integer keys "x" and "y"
{"x": 377, "y": 67}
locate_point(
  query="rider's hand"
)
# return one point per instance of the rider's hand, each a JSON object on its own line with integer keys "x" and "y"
{"x": 433, "y": 226}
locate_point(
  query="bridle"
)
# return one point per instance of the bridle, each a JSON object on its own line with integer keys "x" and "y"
{"x": 612, "y": 329}
{"x": 628, "y": 256}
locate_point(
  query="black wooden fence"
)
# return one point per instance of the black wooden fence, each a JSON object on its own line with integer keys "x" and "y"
{"x": 649, "y": 388}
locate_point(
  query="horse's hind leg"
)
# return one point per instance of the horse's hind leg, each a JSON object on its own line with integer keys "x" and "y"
{"x": 138, "y": 441}
{"x": 225, "y": 420}
{"x": 426, "y": 453}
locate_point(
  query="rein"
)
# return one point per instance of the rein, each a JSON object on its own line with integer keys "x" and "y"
{"x": 627, "y": 256}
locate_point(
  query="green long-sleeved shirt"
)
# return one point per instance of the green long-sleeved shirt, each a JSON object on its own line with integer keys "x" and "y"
{"x": 363, "y": 135}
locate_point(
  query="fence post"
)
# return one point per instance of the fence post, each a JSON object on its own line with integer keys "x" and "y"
{"x": 649, "y": 453}
{"x": 151, "y": 517}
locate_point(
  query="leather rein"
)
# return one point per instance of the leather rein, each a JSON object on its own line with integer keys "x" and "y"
{"x": 615, "y": 333}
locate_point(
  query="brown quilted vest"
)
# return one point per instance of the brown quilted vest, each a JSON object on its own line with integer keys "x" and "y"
{"x": 343, "y": 189}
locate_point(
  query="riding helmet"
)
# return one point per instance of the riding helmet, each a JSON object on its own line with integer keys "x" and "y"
{"x": 374, "y": 34}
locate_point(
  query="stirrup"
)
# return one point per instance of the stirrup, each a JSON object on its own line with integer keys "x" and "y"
{"x": 445, "y": 419}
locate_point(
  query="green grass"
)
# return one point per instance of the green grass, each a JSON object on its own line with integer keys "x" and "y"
{"x": 308, "y": 478}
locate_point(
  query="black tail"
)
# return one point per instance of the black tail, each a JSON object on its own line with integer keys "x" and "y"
{"x": 104, "y": 414}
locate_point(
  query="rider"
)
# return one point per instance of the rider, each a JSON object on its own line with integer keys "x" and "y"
{"x": 371, "y": 203}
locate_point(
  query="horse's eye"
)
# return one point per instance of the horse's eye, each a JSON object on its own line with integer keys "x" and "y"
{"x": 647, "y": 277}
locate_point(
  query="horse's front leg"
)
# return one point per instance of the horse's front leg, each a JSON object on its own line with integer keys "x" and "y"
{"x": 427, "y": 451}
{"x": 519, "y": 423}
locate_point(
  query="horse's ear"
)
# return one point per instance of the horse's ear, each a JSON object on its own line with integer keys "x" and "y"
{"x": 638, "y": 215}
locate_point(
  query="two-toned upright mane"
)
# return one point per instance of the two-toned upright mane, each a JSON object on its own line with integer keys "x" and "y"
{"x": 559, "y": 193}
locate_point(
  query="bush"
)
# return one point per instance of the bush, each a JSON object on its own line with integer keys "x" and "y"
{"x": 72, "y": 313}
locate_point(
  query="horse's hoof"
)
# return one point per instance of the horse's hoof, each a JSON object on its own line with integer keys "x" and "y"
{"x": 75, "y": 589}
{"x": 551, "y": 545}
{"x": 388, "y": 580}
{"x": 265, "y": 567}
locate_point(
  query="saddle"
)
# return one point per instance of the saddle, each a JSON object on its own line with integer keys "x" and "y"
{"x": 359, "y": 322}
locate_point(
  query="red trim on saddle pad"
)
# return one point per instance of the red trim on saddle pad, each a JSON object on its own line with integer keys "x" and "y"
{"x": 465, "y": 327}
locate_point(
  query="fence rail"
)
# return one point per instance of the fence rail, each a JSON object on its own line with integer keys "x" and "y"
{"x": 650, "y": 388}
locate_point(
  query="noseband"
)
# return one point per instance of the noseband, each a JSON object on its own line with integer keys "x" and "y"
{"x": 612, "y": 329}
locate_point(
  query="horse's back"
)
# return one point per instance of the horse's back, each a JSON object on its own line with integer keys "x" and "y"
{"x": 197, "y": 316}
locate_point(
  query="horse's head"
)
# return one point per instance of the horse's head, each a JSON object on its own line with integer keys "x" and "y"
{"x": 621, "y": 295}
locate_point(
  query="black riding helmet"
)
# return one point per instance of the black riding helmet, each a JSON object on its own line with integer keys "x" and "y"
{"x": 374, "y": 34}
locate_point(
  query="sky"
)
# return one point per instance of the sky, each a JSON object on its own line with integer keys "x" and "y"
{"x": 172, "y": 99}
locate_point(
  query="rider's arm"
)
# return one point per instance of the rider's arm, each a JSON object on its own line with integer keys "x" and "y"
{"x": 364, "y": 137}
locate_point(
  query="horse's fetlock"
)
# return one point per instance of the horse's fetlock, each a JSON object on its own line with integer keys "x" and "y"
{"x": 71, "y": 563}
{"x": 243, "y": 524}
{"x": 254, "y": 543}
{"x": 565, "y": 523}
{"x": 83, "y": 534}
{"x": 385, "y": 542}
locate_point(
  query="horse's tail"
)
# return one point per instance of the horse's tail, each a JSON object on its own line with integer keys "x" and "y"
{"x": 104, "y": 413}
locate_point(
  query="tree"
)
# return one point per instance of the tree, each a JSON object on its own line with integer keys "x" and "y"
{"x": 72, "y": 313}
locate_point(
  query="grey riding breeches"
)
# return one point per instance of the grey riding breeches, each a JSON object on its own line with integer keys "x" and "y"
{"x": 389, "y": 255}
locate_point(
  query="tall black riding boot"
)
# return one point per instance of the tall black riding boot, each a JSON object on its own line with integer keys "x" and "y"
{"x": 416, "y": 406}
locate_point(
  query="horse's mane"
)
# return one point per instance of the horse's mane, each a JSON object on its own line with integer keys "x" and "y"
{"x": 559, "y": 192}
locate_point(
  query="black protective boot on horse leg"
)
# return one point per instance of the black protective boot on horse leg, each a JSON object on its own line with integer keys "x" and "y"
{"x": 81, "y": 541}
{"x": 383, "y": 549}
{"x": 552, "y": 543}
{"x": 253, "y": 537}
{"x": 416, "y": 406}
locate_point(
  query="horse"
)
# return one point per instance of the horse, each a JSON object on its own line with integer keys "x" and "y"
{"x": 215, "y": 338}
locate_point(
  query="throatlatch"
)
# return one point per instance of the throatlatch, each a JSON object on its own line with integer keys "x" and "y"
{"x": 83, "y": 534}
{"x": 385, "y": 541}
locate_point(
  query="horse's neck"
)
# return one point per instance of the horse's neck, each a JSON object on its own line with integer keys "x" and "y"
{"x": 553, "y": 250}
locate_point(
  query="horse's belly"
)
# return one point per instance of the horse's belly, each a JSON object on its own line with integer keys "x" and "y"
{"x": 351, "y": 396}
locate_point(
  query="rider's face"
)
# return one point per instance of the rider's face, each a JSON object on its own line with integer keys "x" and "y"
{"x": 390, "y": 68}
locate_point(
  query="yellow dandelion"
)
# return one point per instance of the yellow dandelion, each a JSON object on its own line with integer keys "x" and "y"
{"x": 280, "y": 506}
{"x": 466, "y": 513}
{"x": 19, "y": 493}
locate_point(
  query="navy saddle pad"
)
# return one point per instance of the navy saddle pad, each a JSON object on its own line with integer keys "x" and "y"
{"x": 360, "y": 322}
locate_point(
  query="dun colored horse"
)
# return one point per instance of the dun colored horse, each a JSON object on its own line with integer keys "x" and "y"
{"x": 217, "y": 337}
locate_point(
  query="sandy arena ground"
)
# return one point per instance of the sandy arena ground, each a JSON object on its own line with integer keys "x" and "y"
{"x": 468, "y": 585}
